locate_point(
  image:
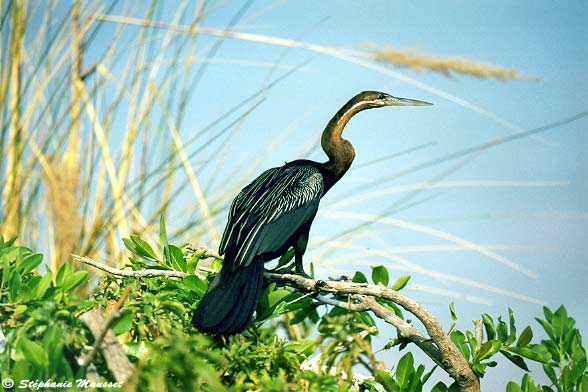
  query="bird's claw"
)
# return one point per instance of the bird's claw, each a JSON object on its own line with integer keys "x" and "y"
{"x": 301, "y": 273}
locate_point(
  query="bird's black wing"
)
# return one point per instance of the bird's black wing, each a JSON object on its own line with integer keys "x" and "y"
{"x": 267, "y": 212}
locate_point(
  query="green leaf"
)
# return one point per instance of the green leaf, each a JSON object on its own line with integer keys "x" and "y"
{"x": 525, "y": 337}
{"x": 452, "y": 311}
{"x": 199, "y": 253}
{"x": 458, "y": 338}
{"x": 14, "y": 285}
{"x": 176, "y": 258}
{"x": 439, "y": 387}
{"x": 548, "y": 314}
{"x": 130, "y": 245}
{"x": 559, "y": 321}
{"x": 584, "y": 384}
{"x": 74, "y": 280}
{"x": 529, "y": 385}
{"x": 33, "y": 352}
{"x": 193, "y": 283}
{"x": 550, "y": 374}
{"x": 488, "y": 349}
{"x": 547, "y": 328}
{"x": 565, "y": 380}
{"x": 513, "y": 387}
{"x": 390, "y": 306}
{"x": 512, "y": 335}
{"x": 64, "y": 270}
{"x": 286, "y": 258}
{"x": 216, "y": 265}
{"x": 143, "y": 249}
{"x": 124, "y": 323}
{"x": 136, "y": 349}
{"x": 304, "y": 346}
{"x": 191, "y": 264}
{"x": 479, "y": 369}
{"x": 359, "y": 277}
{"x": 415, "y": 379}
{"x": 502, "y": 330}
{"x": 535, "y": 352}
{"x": 489, "y": 326}
{"x": 428, "y": 374}
{"x": 43, "y": 285}
{"x": 5, "y": 270}
{"x": 162, "y": 231}
{"x": 578, "y": 352}
{"x": 473, "y": 343}
{"x": 576, "y": 370}
{"x": 384, "y": 378}
{"x": 517, "y": 360}
{"x": 14, "y": 253}
{"x": 52, "y": 343}
{"x": 276, "y": 296}
{"x": 6, "y": 244}
{"x": 380, "y": 275}
{"x": 364, "y": 318}
{"x": 30, "y": 263}
{"x": 404, "y": 368}
{"x": 32, "y": 286}
{"x": 19, "y": 309}
{"x": 401, "y": 282}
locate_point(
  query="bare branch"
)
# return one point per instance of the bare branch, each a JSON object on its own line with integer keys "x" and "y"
{"x": 116, "y": 360}
{"x": 146, "y": 273}
{"x": 451, "y": 359}
{"x": 99, "y": 337}
{"x": 479, "y": 332}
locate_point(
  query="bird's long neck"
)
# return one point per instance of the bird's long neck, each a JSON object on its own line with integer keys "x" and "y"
{"x": 339, "y": 150}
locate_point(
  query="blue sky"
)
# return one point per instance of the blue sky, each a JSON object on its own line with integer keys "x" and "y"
{"x": 523, "y": 202}
{"x": 541, "y": 228}
{"x": 544, "y": 229}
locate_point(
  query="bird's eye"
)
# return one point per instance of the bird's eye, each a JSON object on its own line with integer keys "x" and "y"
{"x": 381, "y": 96}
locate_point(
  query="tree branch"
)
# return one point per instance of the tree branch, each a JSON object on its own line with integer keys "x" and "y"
{"x": 116, "y": 360}
{"x": 405, "y": 330}
{"x": 146, "y": 273}
{"x": 441, "y": 349}
{"x": 99, "y": 337}
{"x": 452, "y": 360}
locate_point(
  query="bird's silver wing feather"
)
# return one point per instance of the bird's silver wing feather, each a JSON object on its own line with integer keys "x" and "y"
{"x": 270, "y": 210}
{"x": 243, "y": 202}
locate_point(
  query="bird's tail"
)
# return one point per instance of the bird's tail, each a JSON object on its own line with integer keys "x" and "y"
{"x": 227, "y": 308}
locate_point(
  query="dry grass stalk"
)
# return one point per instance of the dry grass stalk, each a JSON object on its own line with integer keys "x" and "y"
{"x": 72, "y": 157}
{"x": 432, "y": 232}
{"x": 446, "y": 65}
{"x": 62, "y": 190}
{"x": 355, "y": 57}
{"x": 12, "y": 219}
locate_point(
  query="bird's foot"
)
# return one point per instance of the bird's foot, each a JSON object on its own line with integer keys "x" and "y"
{"x": 300, "y": 272}
{"x": 290, "y": 270}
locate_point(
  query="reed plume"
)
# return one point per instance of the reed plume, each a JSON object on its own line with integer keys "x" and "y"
{"x": 446, "y": 65}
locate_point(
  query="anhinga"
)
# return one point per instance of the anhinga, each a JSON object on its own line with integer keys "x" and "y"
{"x": 274, "y": 213}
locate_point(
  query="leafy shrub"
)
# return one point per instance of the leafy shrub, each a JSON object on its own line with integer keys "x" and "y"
{"x": 43, "y": 338}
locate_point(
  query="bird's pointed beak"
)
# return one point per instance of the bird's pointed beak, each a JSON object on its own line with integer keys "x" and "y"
{"x": 395, "y": 101}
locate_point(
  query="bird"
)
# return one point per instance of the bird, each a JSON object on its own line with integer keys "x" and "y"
{"x": 274, "y": 213}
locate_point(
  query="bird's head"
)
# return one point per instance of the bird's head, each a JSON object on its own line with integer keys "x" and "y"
{"x": 376, "y": 99}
